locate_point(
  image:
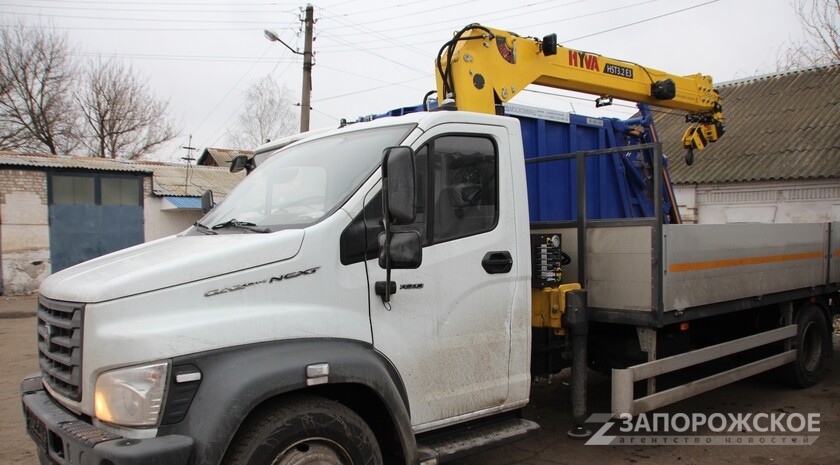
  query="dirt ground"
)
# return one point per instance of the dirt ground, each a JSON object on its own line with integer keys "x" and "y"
{"x": 17, "y": 359}
{"x": 549, "y": 407}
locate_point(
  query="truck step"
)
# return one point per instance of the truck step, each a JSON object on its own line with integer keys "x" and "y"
{"x": 459, "y": 442}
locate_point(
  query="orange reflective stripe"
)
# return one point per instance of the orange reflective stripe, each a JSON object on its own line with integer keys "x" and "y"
{"x": 678, "y": 267}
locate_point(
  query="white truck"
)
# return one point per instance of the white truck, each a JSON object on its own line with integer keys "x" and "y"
{"x": 371, "y": 295}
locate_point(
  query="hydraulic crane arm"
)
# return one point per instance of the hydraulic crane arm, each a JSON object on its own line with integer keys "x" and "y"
{"x": 481, "y": 67}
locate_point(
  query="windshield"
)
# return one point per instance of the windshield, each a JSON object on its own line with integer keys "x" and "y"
{"x": 304, "y": 183}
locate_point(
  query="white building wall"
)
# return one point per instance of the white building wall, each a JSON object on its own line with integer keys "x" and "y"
{"x": 24, "y": 230}
{"x": 686, "y": 202}
{"x": 801, "y": 201}
{"x": 162, "y": 220}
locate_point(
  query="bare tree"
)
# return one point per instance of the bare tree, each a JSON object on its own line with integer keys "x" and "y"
{"x": 36, "y": 111}
{"x": 122, "y": 119}
{"x": 268, "y": 114}
{"x": 820, "y": 21}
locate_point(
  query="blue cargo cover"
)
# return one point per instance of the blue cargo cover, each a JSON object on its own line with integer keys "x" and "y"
{"x": 618, "y": 185}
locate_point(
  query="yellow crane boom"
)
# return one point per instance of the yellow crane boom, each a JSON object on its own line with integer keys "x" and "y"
{"x": 482, "y": 67}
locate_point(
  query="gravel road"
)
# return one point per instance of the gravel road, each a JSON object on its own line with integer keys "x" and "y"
{"x": 549, "y": 407}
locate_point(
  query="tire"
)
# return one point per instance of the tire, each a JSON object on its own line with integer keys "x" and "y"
{"x": 813, "y": 347}
{"x": 305, "y": 430}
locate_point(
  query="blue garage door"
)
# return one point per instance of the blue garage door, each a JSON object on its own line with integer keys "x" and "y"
{"x": 92, "y": 215}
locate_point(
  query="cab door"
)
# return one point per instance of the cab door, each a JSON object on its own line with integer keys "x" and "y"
{"x": 447, "y": 327}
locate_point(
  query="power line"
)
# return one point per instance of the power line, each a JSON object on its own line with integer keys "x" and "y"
{"x": 389, "y": 7}
{"x": 227, "y": 94}
{"x": 506, "y": 12}
{"x": 642, "y": 21}
{"x": 573, "y": 97}
{"x": 570, "y": 18}
{"x": 403, "y": 16}
{"x": 346, "y": 22}
{"x": 241, "y": 107}
{"x": 328, "y": 50}
{"x": 351, "y": 73}
{"x": 143, "y": 29}
{"x": 143, "y": 56}
{"x": 242, "y": 104}
{"x": 326, "y": 114}
{"x": 142, "y": 10}
{"x": 220, "y": 129}
{"x": 109, "y": 2}
{"x": 366, "y": 90}
{"x": 376, "y": 33}
{"x": 368, "y": 50}
{"x": 152, "y": 20}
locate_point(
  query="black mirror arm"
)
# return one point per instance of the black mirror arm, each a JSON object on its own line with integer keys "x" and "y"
{"x": 386, "y": 217}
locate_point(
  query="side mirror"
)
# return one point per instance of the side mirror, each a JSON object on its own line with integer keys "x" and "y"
{"x": 242, "y": 162}
{"x": 405, "y": 250}
{"x": 398, "y": 249}
{"x": 207, "y": 203}
{"x": 398, "y": 186}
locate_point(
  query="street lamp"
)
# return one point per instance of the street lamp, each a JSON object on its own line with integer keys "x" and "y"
{"x": 272, "y": 36}
{"x": 307, "y": 66}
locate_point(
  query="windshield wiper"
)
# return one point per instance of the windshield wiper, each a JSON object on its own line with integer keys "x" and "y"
{"x": 203, "y": 229}
{"x": 233, "y": 223}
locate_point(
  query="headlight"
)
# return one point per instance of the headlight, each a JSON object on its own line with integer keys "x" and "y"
{"x": 131, "y": 396}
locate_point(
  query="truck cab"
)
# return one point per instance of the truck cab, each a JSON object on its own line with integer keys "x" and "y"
{"x": 179, "y": 349}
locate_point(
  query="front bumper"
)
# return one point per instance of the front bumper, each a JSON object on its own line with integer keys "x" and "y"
{"x": 64, "y": 439}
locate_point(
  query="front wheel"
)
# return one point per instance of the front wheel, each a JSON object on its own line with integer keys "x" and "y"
{"x": 813, "y": 347}
{"x": 305, "y": 430}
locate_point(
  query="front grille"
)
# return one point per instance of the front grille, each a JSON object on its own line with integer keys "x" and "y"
{"x": 60, "y": 346}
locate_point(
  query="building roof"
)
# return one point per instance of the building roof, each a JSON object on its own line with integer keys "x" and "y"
{"x": 183, "y": 181}
{"x": 68, "y": 162}
{"x": 220, "y": 157}
{"x": 190, "y": 203}
{"x": 167, "y": 179}
{"x": 778, "y": 127}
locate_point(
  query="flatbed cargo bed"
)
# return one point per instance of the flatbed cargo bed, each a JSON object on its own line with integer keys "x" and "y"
{"x": 642, "y": 272}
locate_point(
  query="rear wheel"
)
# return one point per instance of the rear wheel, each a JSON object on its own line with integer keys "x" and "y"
{"x": 305, "y": 430}
{"x": 813, "y": 347}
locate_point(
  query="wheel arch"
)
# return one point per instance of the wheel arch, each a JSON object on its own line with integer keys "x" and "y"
{"x": 370, "y": 406}
{"x": 236, "y": 382}
{"x": 821, "y": 302}
{"x": 813, "y": 348}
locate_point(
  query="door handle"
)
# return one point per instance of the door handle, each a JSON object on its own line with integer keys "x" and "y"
{"x": 497, "y": 262}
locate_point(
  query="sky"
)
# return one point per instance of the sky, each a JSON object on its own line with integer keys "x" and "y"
{"x": 372, "y": 56}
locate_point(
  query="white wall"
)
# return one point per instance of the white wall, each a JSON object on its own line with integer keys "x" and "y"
{"x": 162, "y": 222}
{"x": 801, "y": 201}
{"x": 686, "y": 195}
{"x": 24, "y": 231}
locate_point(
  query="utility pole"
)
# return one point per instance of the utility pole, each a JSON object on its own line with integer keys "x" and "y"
{"x": 189, "y": 159}
{"x": 306, "y": 88}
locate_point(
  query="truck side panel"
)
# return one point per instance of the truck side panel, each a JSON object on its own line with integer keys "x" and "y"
{"x": 619, "y": 267}
{"x": 705, "y": 264}
{"x": 702, "y": 264}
